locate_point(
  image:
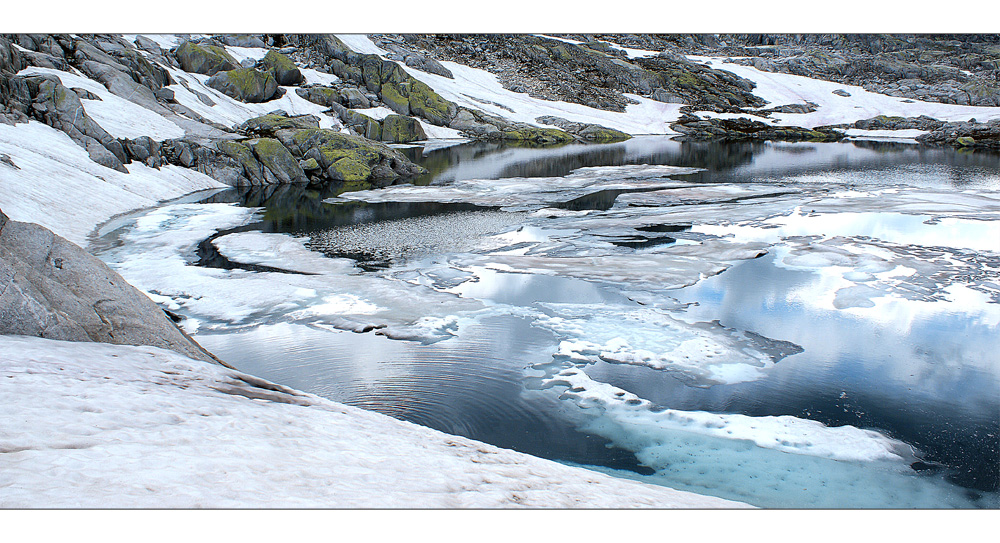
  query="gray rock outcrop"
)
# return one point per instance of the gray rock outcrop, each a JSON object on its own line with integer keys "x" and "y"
{"x": 52, "y": 288}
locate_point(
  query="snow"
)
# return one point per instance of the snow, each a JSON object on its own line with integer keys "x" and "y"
{"x": 229, "y": 112}
{"x": 120, "y": 117}
{"x": 317, "y": 77}
{"x": 779, "y": 89}
{"x": 883, "y": 134}
{"x": 59, "y": 187}
{"x": 166, "y": 41}
{"x": 243, "y": 53}
{"x": 94, "y": 425}
{"x": 646, "y": 117}
{"x": 377, "y": 113}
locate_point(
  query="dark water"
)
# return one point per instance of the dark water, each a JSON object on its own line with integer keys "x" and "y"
{"x": 912, "y": 385}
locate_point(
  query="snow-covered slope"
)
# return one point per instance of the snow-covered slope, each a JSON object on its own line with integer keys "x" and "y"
{"x": 93, "y": 425}
{"x": 57, "y": 186}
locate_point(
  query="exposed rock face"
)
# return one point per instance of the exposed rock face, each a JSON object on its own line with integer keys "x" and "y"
{"x": 400, "y": 129}
{"x": 281, "y": 67}
{"x": 245, "y": 84}
{"x": 60, "y": 108}
{"x": 204, "y": 59}
{"x": 267, "y": 125}
{"x": 884, "y": 122}
{"x": 592, "y": 74}
{"x": 694, "y": 128}
{"x": 52, "y": 288}
{"x": 585, "y": 131}
{"x": 277, "y": 161}
{"x": 954, "y": 69}
{"x": 965, "y": 134}
{"x": 342, "y": 157}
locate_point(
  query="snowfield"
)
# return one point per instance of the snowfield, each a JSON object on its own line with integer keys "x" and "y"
{"x": 104, "y": 426}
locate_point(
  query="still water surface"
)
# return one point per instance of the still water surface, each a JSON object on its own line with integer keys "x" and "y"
{"x": 929, "y": 378}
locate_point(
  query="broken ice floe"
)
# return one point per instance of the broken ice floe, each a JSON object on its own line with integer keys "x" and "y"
{"x": 522, "y": 193}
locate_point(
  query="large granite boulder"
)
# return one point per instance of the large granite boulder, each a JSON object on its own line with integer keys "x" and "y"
{"x": 400, "y": 129}
{"x": 277, "y": 161}
{"x": 52, "y": 288}
{"x": 245, "y": 84}
{"x": 343, "y": 157}
{"x": 204, "y": 59}
{"x": 281, "y": 67}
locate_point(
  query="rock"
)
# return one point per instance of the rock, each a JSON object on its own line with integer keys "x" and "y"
{"x": 204, "y": 59}
{"x": 883, "y": 122}
{"x": 148, "y": 45}
{"x": 970, "y": 134}
{"x": 324, "y": 96}
{"x": 241, "y": 40}
{"x": 344, "y": 157}
{"x": 281, "y": 67}
{"x": 354, "y": 98}
{"x": 52, "y": 288}
{"x": 85, "y": 94}
{"x": 60, "y": 108}
{"x": 742, "y": 128}
{"x": 245, "y": 84}
{"x": 11, "y": 60}
{"x": 144, "y": 149}
{"x": 267, "y": 125}
{"x": 277, "y": 160}
{"x": 99, "y": 154}
{"x": 585, "y": 131}
{"x": 166, "y": 95}
{"x": 309, "y": 164}
{"x": 807, "y": 107}
{"x": 400, "y": 129}
{"x": 252, "y": 169}
{"x": 841, "y": 92}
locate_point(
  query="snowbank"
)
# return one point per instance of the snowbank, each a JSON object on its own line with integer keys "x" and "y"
{"x": 93, "y": 425}
{"x": 58, "y": 186}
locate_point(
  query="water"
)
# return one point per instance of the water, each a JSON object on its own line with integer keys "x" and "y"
{"x": 886, "y": 322}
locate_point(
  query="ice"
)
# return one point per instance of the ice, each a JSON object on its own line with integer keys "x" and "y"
{"x": 108, "y": 426}
{"x": 781, "y": 461}
{"x": 58, "y": 186}
{"x": 313, "y": 76}
{"x": 526, "y": 192}
{"x": 702, "y": 354}
{"x": 158, "y": 255}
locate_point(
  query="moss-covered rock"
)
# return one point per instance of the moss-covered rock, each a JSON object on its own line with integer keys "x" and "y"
{"x": 324, "y": 96}
{"x": 281, "y": 67}
{"x": 246, "y": 84}
{"x": 400, "y": 129}
{"x": 426, "y": 103}
{"x": 545, "y": 136}
{"x": 362, "y": 124}
{"x": 965, "y": 141}
{"x": 277, "y": 160}
{"x": 267, "y": 125}
{"x": 393, "y": 96}
{"x": 204, "y": 59}
{"x": 345, "y": 157}
{"x": 252, "y": 169}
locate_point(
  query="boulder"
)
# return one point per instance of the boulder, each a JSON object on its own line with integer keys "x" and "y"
{"x": 60, "y": 108}
{"x": 253, "y": 171}
{"x": 281, "y": 67}
{"x": 344, "y": 157}
{"x": 245, "y": 84}
{"x": 241, "y": 40}
{"x": 52, "y": 288}
{"x": 204, "y": 59}
{"x": 267, "y": 125}
{"x": 400, "y": 129}
{"x": 585, "y": 131}
{"x": 277, "y": 160}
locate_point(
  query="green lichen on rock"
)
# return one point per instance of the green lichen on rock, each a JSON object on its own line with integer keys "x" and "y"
{"x": 278, "y": 160}
{"x": 393, "y": 97}
{"x": 245, "y": 84}
{"x": 362, "y": 124}
{"x": 281, "y": 67}
{"x": 309, "y": 164}
{"x": 400, "y": 129}
{"x": 600, "y": 134}
{"x": 267, "y": 125}
{"x": 251, "y": 168}
{"x": 537, "y": 135}
{"x": 204, "y": 59}
{"x": 965, "y": 141}
{"x": 426, "y": 103}
{"x": 348, "y": 158}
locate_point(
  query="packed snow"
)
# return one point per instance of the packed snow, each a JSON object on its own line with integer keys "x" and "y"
{"x": 102, "y": 426}
{"x": 779, "y": 89}
{"x": 58, "y": 186}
